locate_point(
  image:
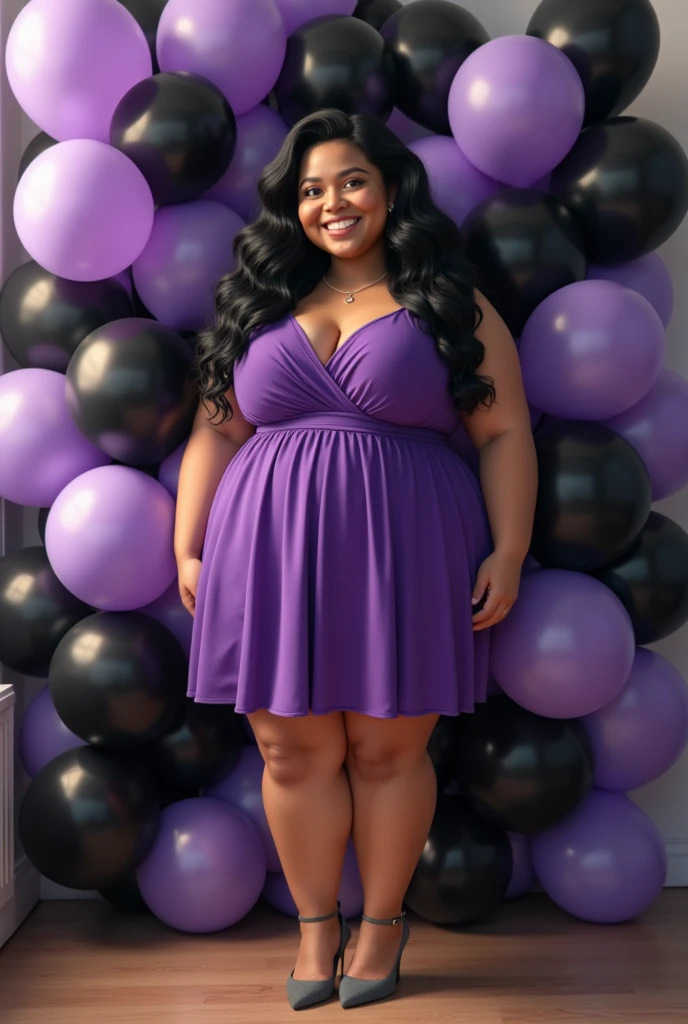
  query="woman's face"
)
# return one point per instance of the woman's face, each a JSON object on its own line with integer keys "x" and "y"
{"x": 340, "y": 188}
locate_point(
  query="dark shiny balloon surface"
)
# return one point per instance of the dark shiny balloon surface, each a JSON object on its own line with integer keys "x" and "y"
{"x": 88, "y": 817}
{"x": 626, "y": 182}
{"x": 130, "y": 391}
{"x": 651, "y": 579}
{"x": 39, "y": 143}
{"x": 36, "y": 611}
{"x": 118, "y": 679}
{"x": 147, "y": 14}
{"x": 519, "y": 770}
{"x": 125, "y": 895}
{"x": 430, "y": 40}
{"x": 442, "y": 749}
{"x": 179, "y": 130}
{"x": 525, "y": 245}
{"x": 594, "y": 495}
{"x": 613, "y": 45}
{"x": 376, "y": 12}
{"x": 203, "y": 745}
{"x": 336, "y": 61}
{"x": 464, "y": 868}
{"x": 44, "y": 318}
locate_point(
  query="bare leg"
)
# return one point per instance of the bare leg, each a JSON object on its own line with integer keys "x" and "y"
{"x": 307, "y": 802}
{"x": 394, "y": 791}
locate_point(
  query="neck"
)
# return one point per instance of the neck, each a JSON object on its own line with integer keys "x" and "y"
{"x": 359, "y": 270}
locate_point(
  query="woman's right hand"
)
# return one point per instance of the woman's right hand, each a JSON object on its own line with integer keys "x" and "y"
{"x": 188, "y": 571}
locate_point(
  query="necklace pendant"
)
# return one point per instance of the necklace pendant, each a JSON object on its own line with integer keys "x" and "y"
{"x": 349, "y": 298}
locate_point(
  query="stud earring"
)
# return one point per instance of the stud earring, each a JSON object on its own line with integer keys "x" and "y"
{"x": 390, "y": 207}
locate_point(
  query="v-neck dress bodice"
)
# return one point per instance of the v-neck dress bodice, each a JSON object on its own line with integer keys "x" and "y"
{"x": 345, "y": 535}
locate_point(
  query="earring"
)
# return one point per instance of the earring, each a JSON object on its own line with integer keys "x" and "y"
{"x": 390, "y": 207}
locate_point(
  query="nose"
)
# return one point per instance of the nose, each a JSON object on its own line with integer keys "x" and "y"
{"x": 334, "y": 200}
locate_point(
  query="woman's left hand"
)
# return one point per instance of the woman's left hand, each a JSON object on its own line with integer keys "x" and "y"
{"x": 500, "y": 576}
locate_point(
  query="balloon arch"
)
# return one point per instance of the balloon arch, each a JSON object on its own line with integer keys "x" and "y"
{"x": 155, "y": 121}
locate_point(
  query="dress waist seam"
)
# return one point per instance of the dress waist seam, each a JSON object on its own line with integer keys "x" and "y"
{"x": 356, "y": 424}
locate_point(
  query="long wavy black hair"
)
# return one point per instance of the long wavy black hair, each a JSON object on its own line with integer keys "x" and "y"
{"x": 277, "y": 264}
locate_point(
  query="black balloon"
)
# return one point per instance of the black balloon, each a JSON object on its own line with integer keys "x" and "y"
{"x": 118, "y": 679}
{"x": 201, "y": 747}
{"x": 593, "y": 498}
{"x": 88, "y": 817}
{"x": 464, "y": 868}
{"x": 147, "y": 13}
{"x": 130, "y": 391}
{"x": 36, "y": 611}
{"x": 626, "y": 182}
{"x": 430, "y": 40}
{"x": 39, "y": 143}
{"x": 651, "y": 579}
{"x": 125, "y": 895}
{"x": 519, "y": 770}
{"x": 41, "y": 520}
{"x": 376, "y": 12}
{"x": 442, "y": 749}
{"x": 613, "y": 45}
{"x": 44, "y": 318}
{"x": 336, "y": 61}
{"x": 525, "y": 246}
{"x": 179, "y": 130}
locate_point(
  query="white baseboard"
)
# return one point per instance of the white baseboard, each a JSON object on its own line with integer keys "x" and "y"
{"x": 677, "y": 854}
{"x": 27, "y": 893}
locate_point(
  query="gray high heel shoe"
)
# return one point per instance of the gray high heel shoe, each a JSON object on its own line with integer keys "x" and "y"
{"x": 355, "y": 991}
{"x": 307, "y": 993}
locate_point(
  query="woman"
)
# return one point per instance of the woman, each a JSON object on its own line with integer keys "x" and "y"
{"x": 342, "y": 539}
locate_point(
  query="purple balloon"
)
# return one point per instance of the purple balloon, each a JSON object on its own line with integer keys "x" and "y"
{"x": 206, "y": 868}
{"x": 647, "y": 275}
{"x": 189, "y": 250}
{"x": 591, "y": 350}
{"x": 109, "y": 538}
{"x": 41, "y": 448}
{"x": 350, "y": 893}
{"x": 70, "y": 64}
{"x": 43, "y": 734}
{"x": 605, "y": 863}
{"x": 297, "y": 12}
{"x": 457, "y": 186}
{"x": 239, "y": 46}
{"x": 260, "y": 133}
{"x": 406, "y": 129}
{"x": 83, "y": 210}
{"x": 644, "y": 730}
{"x": 169, "y": 610}
{"x": 516, "y": 106}
{"x": 567, "y": 646}
{"x": 124, "y": 278}
{"x": 242, "y": 788}
{"x": 168, "y": 470}
{"x": 523, "y": 872}
{"x": 657, "y": 427}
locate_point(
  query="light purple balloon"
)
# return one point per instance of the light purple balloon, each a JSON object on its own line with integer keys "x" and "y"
{"x": 647, "y": 275}
{"x": 260, "y": 133}
{"x": 591, "y": 350}
{"x": 43, "y": 734}
{"x": 169, "y": 610}
{"x": 457, "y": 186}
{"x": 567, "y": 646}
{"x": 406, "y": 129}
{"x": 69, "y": 64}
{"x": 297, "y": 12}
{"x": 350, "y": 893}
{"x": 641, "y": 733}
{"x": 516, "y": 106}
{"x": 605, "y": 863}
{"x": 189, "y": 250}
{"x": 206, "y": 868}
{"x": 168, "y": 470}
{"x": 83, "y": 210}
{"x": 242, "y": 788}
{"x": 109, "y": 538}
{"x": 239, "y": 46}
{"x": 657, "y": 427}
{"x": 41, "y": 448}
{"x": 523, "y": 872}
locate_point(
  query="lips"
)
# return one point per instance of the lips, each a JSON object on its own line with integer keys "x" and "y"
{"x": 350, "y": 223}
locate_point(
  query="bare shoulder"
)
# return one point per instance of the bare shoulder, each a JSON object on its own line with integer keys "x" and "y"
{"x": 491, "y": 320}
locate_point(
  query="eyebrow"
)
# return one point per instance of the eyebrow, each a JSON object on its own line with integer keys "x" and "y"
{"x": 341, "y": 174}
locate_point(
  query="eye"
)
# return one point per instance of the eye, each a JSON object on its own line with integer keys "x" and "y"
{"x": 358, "y": 181}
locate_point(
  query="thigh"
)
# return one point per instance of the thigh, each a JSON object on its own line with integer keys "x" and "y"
{"x": 307, "y": 738}
{"x": 387, "y": 740}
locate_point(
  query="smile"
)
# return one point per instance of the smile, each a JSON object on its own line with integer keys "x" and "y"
{"x": 341, "y": 227}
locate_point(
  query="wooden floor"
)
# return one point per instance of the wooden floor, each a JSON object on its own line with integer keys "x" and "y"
{"x": 81, "y": 961}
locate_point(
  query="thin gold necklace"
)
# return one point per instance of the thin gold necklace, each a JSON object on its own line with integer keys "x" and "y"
{"x": 351, "y": 292}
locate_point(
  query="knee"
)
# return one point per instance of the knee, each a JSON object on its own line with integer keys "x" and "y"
{"x": 380, "y": 762}
{"x": 291, "y": 764}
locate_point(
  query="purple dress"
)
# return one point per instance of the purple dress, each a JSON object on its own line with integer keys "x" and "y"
{"x": 345, "y": 535}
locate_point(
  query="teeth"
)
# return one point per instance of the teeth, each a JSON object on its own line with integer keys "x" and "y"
{"x": 339, "y": 225}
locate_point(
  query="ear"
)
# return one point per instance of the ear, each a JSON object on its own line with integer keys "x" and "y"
{"x": 392, "y": 197}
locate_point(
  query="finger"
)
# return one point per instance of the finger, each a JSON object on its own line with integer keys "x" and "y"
{"x": 492, "y": 603}
{"x": 498, "y": 615}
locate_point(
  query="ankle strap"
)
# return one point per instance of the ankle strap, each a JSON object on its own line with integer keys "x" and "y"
{"x": 385, "y": 920}
{"x": 325, "y": 917}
